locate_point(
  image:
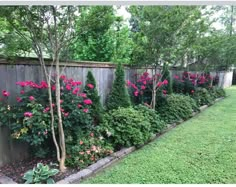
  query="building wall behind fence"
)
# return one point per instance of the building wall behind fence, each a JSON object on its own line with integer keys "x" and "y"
{"x": 29, "y": 69}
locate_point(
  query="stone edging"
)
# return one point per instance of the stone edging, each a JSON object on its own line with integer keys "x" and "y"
{"x": 107, "y": 161}
{"x": 6, "y": 180}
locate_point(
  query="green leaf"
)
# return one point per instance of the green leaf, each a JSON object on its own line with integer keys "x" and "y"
{"x": 50, "y": 181}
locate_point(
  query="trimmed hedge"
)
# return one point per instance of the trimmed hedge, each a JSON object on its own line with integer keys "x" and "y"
{"x": 125, "y": 127}
{"x": 157, "y": 124}
{"x": 176, "y": 107}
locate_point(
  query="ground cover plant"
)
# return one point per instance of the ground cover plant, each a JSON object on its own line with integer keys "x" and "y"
{"x": 199, "y": 151}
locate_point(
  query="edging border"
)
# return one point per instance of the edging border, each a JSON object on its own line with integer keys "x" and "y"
{"x": 113, "y": 158}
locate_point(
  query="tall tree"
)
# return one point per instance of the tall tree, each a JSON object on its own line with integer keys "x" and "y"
{"x": 49, "y": 29}
{"x": 92, "y": 42}
{"x": 161, "y": 33}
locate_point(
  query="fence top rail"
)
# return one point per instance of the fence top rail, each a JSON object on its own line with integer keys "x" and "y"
{"x": 73, "y": 63}
{"x": 35, "y": 61}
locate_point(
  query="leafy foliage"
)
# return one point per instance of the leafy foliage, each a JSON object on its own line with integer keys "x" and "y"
{"x": 176, "y": 107}
{"x": 91, "y": 90}
{"x": 203, "y": 97}
{"x": 118, "y": 96}
{"x": 157, "y": 124}
{"x": 40, "y": 175}
{"x": 166, "y": 76}
{"x": 126, "y": 127}
{"x": 88, "y": 149}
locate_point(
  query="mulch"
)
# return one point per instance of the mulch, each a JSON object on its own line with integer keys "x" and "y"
{"x": 16, "y": 170}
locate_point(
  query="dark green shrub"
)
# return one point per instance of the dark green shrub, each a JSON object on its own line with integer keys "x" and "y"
{"x": 220, "y": 92}
{"x": 178, "y": 86}
{"x": 118, "y": 96}
{"x": 166, "y": 76}
{"x": 217, "y": 92}
{"x": 91, "y": 90}
{"x": 175, "y": 108}
{"x": 126, "y": 127}
{"x": 193, "y": 103}
{"x": 157, "y": 124}
{"x": 203, "y": 97}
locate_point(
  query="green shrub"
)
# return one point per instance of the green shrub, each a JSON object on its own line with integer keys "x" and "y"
{"x": 40, "y": 175}
{"x": 89, "y": 148}
{"x": 217, "y": 92}
{"x": 166, "y": 76}
{"x": 126, "y": 127}
{"x": 203, "y": 97}
{"x": 193, "y": 103}
{"x": 91, "y": 90}
{"x": 118, "y": 96}
{"x": 175, "y": 108}
{"x": 157, "y": 124}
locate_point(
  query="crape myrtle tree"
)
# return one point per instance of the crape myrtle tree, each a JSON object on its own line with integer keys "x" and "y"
{"x": 49, "y": 29}
{"x": 161, "y": 33}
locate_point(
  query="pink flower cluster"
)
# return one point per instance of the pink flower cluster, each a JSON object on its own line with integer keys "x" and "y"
{"x": 5, "y": 93}
{"x": 146, "y": 82}
{"x": 88, "y": 102}
{"x": 28, "y": 114}
{"x": 32, "y": 84}
{"x": 90, "y": 86}
{"x": 195, "y": 78}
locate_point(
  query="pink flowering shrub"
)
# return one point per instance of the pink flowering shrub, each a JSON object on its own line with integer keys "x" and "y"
{"x": 188, "y": 82}
{"x": 141, "y": 90}
{"x": 30, "y": 119}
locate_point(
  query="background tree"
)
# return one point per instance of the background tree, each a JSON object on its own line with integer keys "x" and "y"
{"x": 92, "y": 42}
{"x": 162, "y": 34}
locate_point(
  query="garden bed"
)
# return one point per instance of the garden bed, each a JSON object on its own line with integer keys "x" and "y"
{"x": 16, "y": 170}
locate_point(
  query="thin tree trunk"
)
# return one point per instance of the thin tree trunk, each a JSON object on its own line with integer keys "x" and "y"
{"x": 48, "y": 80}
{"x": 60, "y": 125}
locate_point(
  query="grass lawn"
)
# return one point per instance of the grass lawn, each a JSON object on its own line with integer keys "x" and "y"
{"x": 201, "y": 150}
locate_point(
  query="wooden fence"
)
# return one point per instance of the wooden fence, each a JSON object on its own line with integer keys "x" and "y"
{"x": 29, "y": 69}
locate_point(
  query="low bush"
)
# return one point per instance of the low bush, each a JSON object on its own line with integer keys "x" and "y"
{"x": 203, "y": 97}
{"x": 176, "y": 107}
{"x": 126, "y": 127}
{"x": 89, "y": 148}
{"x": 40, "y": 175}
{"x": 217, "y": 92}
{"x": 157, "y": 124}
